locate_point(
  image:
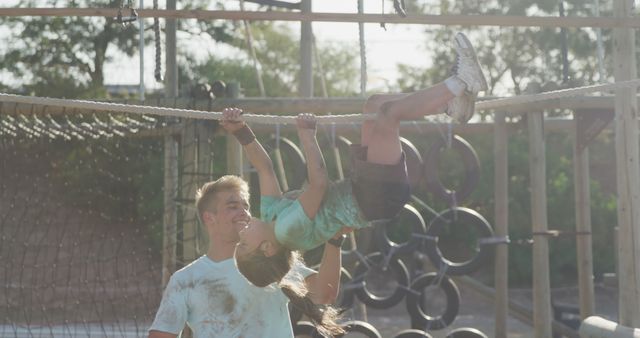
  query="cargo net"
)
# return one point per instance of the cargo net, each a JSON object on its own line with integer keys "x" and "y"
{"x": 81, "y": 213}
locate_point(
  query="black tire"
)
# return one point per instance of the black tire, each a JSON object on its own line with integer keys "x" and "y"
{"x": 294, "y": 314}
{"x": 415, "y": 165}
{"x": 471, "y": 165}
{"x": 419, "y": 319}
{"x": 343, "y": 145}
{"x": 398, "y": 271}
{"x": 438, "y": 226}
{"x": 306, "y": 329}
{"x": 412, "y": 333}
{"x": 466, "y": 332}
{"x": 294, "y": 162}
{"x": 410, "y": 215}
{"x": 360, "y": 327}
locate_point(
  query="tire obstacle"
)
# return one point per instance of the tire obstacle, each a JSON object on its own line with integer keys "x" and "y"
{"x": 387, "y": 258}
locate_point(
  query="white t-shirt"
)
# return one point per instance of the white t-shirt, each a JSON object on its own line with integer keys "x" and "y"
{"x": 217, "y": 301}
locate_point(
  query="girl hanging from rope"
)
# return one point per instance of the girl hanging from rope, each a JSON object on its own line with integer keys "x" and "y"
{"x": 377, "y": 189}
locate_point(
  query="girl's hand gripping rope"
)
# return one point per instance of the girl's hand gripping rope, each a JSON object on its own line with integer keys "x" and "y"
{"x": 232, "y": 123}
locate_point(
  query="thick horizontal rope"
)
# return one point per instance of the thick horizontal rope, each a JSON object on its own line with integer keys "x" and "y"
{"x": 556, "y": 94}
{"x": 275, "y": 119}
{"x": 172, "y": 112}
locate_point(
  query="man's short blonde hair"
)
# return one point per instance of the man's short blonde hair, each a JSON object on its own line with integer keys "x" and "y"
{"x": 206, "y": 195}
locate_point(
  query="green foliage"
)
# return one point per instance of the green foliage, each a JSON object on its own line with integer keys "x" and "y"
{"x": 277, "y": 51}
{"x": 515, "y": 57}
{"x": 66, "y": 54}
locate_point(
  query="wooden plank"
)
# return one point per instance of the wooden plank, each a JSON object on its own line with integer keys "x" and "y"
{"x": 501, "y": 193}
{"x": 413, "y": 19}
{"x": 234, "y": 148}
{"x": 628, "y": 171}
{"x": 189, "y": 171}
{"x": 541, "y": 282}
{"x": 582, "y": 193}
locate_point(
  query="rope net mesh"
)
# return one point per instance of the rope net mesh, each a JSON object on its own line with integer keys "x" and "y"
{"x": 81, "y": 200}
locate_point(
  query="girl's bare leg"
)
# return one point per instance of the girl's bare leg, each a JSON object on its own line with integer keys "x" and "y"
{"x": 382, "y": 135}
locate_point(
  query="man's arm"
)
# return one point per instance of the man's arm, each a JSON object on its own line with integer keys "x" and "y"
{"x": 255, "y": 152}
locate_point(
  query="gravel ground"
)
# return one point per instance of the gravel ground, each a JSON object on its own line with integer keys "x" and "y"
{"x": 477, "y": 312}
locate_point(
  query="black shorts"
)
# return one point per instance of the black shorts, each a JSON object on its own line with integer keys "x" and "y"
{"x": 381, "y": 191}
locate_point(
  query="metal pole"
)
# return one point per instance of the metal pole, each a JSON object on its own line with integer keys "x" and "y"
{"x": 306, "y": 53}
{"x": 141, "y": 25}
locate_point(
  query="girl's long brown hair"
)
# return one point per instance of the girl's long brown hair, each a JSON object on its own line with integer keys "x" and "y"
{"x": 261, "y": 271}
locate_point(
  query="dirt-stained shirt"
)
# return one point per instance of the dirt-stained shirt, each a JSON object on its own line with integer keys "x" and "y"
{"x": 215, "y": 300}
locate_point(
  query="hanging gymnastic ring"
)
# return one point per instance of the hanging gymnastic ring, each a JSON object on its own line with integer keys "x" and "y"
{"x": 471, "y": 165}
{"x": 466, "y": 332}
{"x": 297, "y": 173}
{"x": 359, "y": 326}
{"x": 413, "y": 159}
{"x": 463, "y": 216}
{"x": 422, "y": 321}
{"x": 418, "y": 228}
{"x": 412, "y": 333}
{"x": 399, "y": 272}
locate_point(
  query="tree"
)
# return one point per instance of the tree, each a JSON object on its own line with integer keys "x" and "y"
{"x": 515, "y": 57}
{"x": 277, "y": 51}
{"x": 63, "y": 56}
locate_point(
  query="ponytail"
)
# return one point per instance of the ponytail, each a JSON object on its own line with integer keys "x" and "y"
{"x": 261, "y": 271}
{"x": 323, "y": 317}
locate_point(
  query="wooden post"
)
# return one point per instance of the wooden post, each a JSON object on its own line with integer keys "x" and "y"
{"x": 306, "y": 53}
{"x": 188, "y": 190}
{"x": 583, "y": 226}
{"x": 541, "y": 283}
{"x": 628, "y": 170}
{"x": 170, "y": 219}
{"x": 205, "y": 131}
{"x": 234, "y": 148}
{"x": 501, "y": 181}
{"x": 171, "y": 78}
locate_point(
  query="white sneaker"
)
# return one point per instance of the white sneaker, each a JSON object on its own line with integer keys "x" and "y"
{"x": 467, "y": 67}
{"x": 461, "y": 108}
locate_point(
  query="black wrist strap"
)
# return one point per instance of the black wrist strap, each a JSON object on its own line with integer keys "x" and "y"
{"x": 337, "y": 242}
{"x": 244, "y": 135}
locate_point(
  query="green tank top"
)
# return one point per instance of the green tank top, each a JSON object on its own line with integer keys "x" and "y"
{"x": 296, "y": 231}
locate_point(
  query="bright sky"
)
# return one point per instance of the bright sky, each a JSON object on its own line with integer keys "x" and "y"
{"x": 385, "y": 49}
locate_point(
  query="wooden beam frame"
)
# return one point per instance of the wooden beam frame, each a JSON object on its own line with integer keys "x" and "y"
{"x": 415, "y": 19}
